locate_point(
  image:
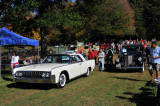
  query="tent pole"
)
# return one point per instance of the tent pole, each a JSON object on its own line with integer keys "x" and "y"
{"x": 38, "y": 54}
{"x": 34, "y": 54}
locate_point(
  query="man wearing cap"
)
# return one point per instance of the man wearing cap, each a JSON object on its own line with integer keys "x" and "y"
{"x": 155, "y": 60}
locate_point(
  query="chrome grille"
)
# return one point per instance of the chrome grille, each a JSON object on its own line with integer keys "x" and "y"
{"x": 130, "y": 60}
{"x": 32, "y": 74}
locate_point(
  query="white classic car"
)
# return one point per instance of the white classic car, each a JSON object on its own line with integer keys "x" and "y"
{"x": 55, "y": 69}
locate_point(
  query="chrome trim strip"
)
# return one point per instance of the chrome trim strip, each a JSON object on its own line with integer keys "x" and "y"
{"x": 59, "y": 66}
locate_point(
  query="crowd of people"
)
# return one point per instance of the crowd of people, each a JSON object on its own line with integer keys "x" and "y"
{"x": 99, "y": 56}
{"x": 118, "y": 46}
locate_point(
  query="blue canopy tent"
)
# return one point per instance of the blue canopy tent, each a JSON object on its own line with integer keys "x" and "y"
{"x": 9, "y": 38}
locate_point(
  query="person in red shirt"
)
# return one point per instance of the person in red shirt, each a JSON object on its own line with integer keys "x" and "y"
{"x": 142, "y": 41}
{"x": 91, "y": 54}
{"x": 95, "y": 54}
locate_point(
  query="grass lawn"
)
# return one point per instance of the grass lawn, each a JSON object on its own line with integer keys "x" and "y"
{"x": 108, "y": 88}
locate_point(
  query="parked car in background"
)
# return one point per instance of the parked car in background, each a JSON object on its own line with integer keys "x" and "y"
{"x": 68, "y": 52}
{"x": 131, "y": 57}
{"x": 55, "y": 69}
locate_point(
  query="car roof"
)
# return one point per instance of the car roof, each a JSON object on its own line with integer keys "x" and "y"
{"x": 63, "y": 54}
{"x": 69, "y": 51}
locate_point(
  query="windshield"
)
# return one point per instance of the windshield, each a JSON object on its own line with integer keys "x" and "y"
{"x": 130, "y": 49}
{"x": 64, "y": 59}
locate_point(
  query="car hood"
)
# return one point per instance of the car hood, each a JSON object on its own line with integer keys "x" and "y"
{"x": 41, "y": 67}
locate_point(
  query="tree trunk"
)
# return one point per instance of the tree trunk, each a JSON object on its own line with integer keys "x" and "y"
{"x": 43, "y": 44}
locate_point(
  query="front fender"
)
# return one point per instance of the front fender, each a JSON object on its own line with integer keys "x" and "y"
{"x": 55, "y": 75}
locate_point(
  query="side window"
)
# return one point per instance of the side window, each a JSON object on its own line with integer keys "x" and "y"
{"x": 75, "y": 59}
{"x": 49, "y": 59}
{"x": 65, "y": 59}
{"x": 78, "y": 58}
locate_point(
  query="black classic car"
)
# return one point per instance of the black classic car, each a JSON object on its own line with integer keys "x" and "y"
{"x": 131, "y": 57}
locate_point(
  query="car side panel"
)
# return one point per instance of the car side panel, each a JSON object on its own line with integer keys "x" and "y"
{"x": 86, "y": 64}
{"x": 74, "y": 70}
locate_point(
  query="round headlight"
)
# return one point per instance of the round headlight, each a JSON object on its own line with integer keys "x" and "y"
{"x": 139, "y": 58}
{"x": 117, "y": 60}
{"x": 17, "y": 74}
{"x": 43, "y": 75}
{"x": 20, "y": 74}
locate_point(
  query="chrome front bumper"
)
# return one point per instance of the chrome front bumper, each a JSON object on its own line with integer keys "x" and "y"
{"x": 118, "y": 66}
{"x": 138, "y": 67}
{"x": 33, "y": 80}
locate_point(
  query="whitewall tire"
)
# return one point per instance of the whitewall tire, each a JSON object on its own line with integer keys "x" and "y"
{"x": 62, "y": 80}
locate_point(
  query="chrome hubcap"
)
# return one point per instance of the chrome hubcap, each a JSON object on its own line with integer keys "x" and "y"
{"x": 62, "y": 80}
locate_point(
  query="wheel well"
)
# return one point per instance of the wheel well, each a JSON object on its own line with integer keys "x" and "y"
{"x": 90, "y": 68}
{"x": 66, "y": 74}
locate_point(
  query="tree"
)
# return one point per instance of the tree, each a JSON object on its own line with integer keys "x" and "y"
{"x": 152, "y": 17}
{"x": 106, "y": 19}
{"x": 15, "y": 14}
{"x": 147, "y": 17}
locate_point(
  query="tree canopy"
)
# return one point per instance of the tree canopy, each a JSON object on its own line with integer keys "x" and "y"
{"x": 66, "y": 22}
{"x": 147, "y": 18}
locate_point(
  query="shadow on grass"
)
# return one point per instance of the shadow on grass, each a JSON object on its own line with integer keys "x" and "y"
{"x": 35, "y": 86}
{"x": 128, "y": 79}
{"x": 6, "y": 72}
{"x": 111, "y": 69}
{"x": 6, "y": 78}
{"x": 145, "y": 98}
{"x": 32, "y": 86}
{"x": 6, "y": 75}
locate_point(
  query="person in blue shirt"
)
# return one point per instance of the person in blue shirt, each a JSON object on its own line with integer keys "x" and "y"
{"x": 155, "y": 60}
{"x": 84, "y": 55}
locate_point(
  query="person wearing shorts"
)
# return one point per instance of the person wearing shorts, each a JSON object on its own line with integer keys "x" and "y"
{"x": 155, "y": 60}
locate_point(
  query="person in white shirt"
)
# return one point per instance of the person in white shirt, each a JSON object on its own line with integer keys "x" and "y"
{"x": 113, "y": 45}
{"x": 14, "y": 61}
{"x": 101, "y": 57}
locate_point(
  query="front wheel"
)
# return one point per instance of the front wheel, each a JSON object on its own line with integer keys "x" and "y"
{"x": 62, "y": 81}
